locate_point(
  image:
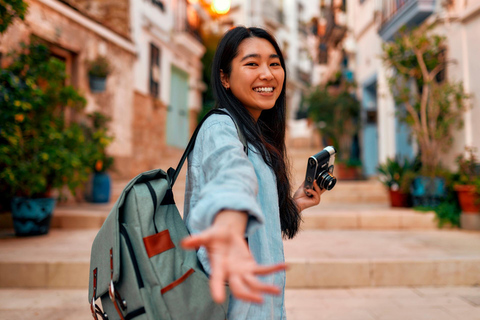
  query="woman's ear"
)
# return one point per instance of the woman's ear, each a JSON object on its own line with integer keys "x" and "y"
{"x": 224, "y": 79}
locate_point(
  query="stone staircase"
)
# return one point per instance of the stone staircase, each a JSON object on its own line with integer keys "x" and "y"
{"x": 352, "y": 239}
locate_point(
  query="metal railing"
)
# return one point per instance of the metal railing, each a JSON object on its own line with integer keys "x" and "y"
{"x": 391, "y": 7}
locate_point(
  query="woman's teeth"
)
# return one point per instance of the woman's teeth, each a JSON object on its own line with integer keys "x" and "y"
{"x": 263, "y": 89}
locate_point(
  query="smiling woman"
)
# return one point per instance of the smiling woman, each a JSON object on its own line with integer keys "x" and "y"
{"x": 257, "y": 76}
{"x": 232, "y": 193}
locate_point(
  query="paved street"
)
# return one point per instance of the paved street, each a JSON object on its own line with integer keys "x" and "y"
{"x": 396, "y": 303}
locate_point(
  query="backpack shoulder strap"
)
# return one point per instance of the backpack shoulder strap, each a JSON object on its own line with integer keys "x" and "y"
{"x": 173, "y": 173}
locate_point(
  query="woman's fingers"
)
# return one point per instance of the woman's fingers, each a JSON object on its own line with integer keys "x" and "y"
{"x": 242, "y": 291}
{"x": 265, "y": 270}
{"x": 195, "y": 241}
{"x": 218, "y": 277}
{"x": 257, "y": 285}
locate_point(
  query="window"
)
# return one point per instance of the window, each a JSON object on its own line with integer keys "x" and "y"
{"x": 154, "y": 71}
{"x": 159, "y": 4}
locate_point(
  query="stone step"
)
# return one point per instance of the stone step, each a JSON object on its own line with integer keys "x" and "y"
{"x": 446, "y": 303}
{"x": 323, "y": 259}
{"x": 325, "y": 216}
{"x": 316, "y": 259}
{"x": 366, "y": 217}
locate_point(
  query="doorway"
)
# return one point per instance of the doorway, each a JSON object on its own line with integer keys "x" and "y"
{"x": 178, "y": 128}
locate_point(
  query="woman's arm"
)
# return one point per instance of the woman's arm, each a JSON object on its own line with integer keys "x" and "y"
{"x": 226, "y": 212}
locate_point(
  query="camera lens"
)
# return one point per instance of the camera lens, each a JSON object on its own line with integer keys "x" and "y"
{"x": 326, "y": 180}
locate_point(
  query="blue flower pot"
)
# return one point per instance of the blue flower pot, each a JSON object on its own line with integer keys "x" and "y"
{"x": 100, "y": 188}
{"x": 97, "y": 84}
{"x": 427, "y": 191}
{"x": 32, "y": 216}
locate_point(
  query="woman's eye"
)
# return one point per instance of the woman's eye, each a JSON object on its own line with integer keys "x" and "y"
{"x": 275, "y": 64}
{"x": 251, "y": 64}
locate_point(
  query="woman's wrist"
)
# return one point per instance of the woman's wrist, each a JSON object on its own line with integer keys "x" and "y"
{"x": 234, "y": 221}
{"x": 299, "y": 206}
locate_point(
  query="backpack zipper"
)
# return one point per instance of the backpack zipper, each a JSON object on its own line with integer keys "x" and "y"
{"x": 124, "y": 233}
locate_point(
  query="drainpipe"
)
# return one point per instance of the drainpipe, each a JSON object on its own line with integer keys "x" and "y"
{"x": 466, "y": 82}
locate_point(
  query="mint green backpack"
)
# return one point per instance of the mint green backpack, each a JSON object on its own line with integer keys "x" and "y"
{"x": 137, "y": 267}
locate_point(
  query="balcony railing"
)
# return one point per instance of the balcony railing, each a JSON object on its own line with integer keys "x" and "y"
{"x": 395, "y": 14}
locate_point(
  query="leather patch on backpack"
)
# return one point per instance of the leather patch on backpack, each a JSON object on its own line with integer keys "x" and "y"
{"x": 158, "y": 243}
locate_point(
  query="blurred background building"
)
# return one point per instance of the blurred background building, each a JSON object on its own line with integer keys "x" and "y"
{"x": 374, "y": 22}
{"x": 155, "y": 47}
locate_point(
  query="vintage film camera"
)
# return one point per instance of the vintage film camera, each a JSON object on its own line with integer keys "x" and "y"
{"x": 320, "y": 168}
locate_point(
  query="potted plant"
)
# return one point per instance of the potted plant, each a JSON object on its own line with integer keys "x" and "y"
{"x": 98, "y": 70}
{"x": 40, "y": 150}
{"x": 397, "y": 176}
{"x": 467, "y": 186}
{"x": 98, "y": 188}
{"x": 434, "y": 105}
{"x": 336, "y": 116}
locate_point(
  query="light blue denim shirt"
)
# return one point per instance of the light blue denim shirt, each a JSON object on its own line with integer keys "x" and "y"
{"x": 221, "y": 176}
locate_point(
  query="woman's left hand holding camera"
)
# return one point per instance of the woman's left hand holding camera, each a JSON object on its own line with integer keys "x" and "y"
{"x": 304, "y": 201}
{"x": 231, "y": 260}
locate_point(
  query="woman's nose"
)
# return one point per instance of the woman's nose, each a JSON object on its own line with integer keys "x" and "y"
{"x": 265, "y": 73}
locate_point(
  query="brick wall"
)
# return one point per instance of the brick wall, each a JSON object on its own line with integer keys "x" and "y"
{"x": 148, "y": 133}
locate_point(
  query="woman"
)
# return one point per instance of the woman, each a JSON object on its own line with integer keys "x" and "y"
{"x": 230, "y": 195}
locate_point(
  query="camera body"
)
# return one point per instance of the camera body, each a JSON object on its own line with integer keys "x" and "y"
{"x": 320, "y": 168}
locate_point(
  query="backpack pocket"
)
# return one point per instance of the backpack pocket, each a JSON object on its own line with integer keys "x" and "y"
{"x": 189, "y": 297}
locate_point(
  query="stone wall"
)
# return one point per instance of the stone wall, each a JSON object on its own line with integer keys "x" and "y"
{"x": 112, "y": 13}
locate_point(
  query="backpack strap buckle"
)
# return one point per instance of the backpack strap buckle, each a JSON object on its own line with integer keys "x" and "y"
{"x": 97, "y": 311}
{"x": 115, "y": 295}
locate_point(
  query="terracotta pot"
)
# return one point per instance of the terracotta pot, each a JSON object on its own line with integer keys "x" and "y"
{"x": 343, "y": 172}
{"x": 467, "y": 197}
{"x": 399, "y": 199}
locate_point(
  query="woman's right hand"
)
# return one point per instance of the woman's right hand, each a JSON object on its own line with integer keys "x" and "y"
{"x": 231, "y": 260}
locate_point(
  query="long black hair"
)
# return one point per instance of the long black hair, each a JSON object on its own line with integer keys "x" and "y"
{"x": 267, "y": 134}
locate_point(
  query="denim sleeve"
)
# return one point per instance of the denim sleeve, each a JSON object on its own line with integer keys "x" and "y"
{"x": 230, "y": 179}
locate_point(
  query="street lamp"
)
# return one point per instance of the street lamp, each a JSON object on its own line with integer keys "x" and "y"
{"x": 221, "y": 6}
{"x": 214, "y": 7}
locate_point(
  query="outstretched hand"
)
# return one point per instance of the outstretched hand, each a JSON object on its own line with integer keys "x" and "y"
{"x": 231, "y": 260}
{"x": 303, "y": 200}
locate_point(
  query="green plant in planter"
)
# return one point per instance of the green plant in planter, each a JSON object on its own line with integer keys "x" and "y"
{"x": 397, "y": 175}
{"x": 99, "y": 67}
{"x": 467, "y": 181}
{"x": 98, "y": 70}
{"x": 40, "y": 149}
{"x": 98, "y": 189}
{"x": 468, "y": 169}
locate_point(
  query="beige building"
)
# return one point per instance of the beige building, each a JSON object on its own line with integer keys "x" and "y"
{"x": 371, "y": 23}
{"x": 289, "y": 22}
{"x": 75, "y": 35}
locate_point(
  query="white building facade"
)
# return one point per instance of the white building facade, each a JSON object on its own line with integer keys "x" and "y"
{"x": 373, "y": 22}
{"x": 168, "y": 68}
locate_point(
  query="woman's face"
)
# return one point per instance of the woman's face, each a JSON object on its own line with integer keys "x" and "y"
{"x": 257, "y": 76}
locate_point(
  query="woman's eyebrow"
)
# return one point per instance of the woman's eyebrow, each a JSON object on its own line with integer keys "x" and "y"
{"x": 256, "y": 55}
